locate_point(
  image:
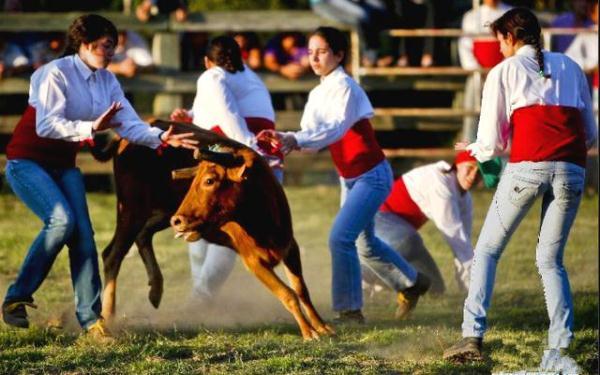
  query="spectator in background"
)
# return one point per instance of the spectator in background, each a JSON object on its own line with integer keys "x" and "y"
{"x": 478, "y": 52}
{"x": 415, "y": 14}
{"x": 369, "y": 17}
{"x": 578, "y": 17}
{"x": 131, "y": 54}
{"x": 287, "y": 54}
{"x": 149, "y": 8}
{"x": 250, "y": 48}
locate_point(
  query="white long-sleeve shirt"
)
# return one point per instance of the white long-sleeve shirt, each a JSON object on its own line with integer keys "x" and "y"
{"x": 68, "y": 97}
{"x": 476, "y": 21}
{"x": 516, "y": 83}
{"x": 437, "y": 195}
{"x": 333, "y": 107}
{"x": 224, "y": 99}
{"x": 584, "y": 50}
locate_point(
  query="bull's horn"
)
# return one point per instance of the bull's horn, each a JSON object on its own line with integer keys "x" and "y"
{"x": 184, "y": 173}
{"x": 226, "y": 159}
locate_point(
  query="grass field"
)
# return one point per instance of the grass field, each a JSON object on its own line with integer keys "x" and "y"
{"x": 247, "y": 331}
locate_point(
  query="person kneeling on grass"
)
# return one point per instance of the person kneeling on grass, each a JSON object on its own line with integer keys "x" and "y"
{"x": 439, "y": 192}
{"x": 539, "y": 103}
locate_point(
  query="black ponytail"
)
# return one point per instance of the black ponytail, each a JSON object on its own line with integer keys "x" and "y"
{"x": 225, "y": 52}
{"x": 523, "y": 25}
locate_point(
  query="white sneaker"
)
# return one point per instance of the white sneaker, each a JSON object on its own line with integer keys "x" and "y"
{"x": 554, "y": 360}
{"x": 462, "y": 274}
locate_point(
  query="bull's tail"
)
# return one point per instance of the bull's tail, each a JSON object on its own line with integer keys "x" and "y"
{"x": 104, "y": 151}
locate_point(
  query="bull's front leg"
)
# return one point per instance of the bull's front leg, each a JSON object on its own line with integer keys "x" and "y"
{"x": 249, "y": 252}
{"x": 293, "y": 271}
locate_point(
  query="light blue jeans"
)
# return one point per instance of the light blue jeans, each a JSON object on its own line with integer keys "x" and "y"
{"x": 361, "y": 198}
{"x": 57, "y": 197}
{"x": 401, "y": 236}
{"x": 560, "y": 184}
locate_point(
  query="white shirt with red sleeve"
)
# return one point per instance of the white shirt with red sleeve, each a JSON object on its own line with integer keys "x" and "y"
{"x": 68, "y": 97}
{"x": 224, "y": 99}
{"x": 333, "y": 107}
{"x": 476, "y": 21}
{"x": 436, "y": 193}
{"x": 516, "y": 83}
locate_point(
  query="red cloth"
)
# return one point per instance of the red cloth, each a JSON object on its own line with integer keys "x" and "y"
{"x": 256, "y": 125}
{"x": 26, "y": 144}
{"x": 464, "y": 156}
{"x": 357, "y": 151}
{"x": 400, "y": 203}
{"x": 548, "y": 133}
{"x": 487, "y": 52}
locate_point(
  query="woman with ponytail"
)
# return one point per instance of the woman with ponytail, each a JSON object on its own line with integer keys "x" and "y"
{"x": 233, "y": 101}
{"x": 70, "y": 99}
{"x": 538, "y": 103}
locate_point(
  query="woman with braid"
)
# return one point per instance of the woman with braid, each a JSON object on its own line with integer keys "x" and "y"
{"x": 539, "y": 103}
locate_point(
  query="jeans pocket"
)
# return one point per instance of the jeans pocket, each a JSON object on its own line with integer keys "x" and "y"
{"x": 568, "y": 195}
{"x": 523, "y": 190}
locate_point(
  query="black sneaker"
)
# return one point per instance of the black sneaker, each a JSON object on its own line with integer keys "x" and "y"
{"x": 407, "y": 299}
{"x": 14, "y": 313}
{"x": 468, "y": 349}
{"x": 350, "y": 317}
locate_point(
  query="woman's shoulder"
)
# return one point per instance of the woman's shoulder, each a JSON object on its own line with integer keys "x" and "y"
{"x": 213, "y": 75}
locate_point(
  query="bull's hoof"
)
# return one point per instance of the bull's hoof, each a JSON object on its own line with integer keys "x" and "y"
{"x": 326, "y": 330}
{"x": 155, "y": 294}
{"x": 311, "y": 335}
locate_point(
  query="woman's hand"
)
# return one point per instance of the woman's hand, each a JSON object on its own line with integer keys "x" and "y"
{"x": 104, "y": 122}
{"x": 461, "y": 146}
{"x": 281, "y": 141}
{"x": 180, "y": 114}
{"x": 179, "y": 140}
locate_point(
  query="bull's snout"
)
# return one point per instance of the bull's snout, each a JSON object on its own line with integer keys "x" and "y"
{"x": 179, "y": 223}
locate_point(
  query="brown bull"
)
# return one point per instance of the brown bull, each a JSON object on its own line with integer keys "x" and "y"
{"x": 236, "y": 201}
{"x": 147, "y": 197}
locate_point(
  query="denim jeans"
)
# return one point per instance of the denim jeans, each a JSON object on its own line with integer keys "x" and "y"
{"x": 560, "y": 184}
{"x": 57, "y": 197}
{"x": 361, "y": 197}
{"x": 401, "y": 236}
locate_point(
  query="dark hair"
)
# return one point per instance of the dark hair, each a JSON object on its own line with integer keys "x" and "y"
{"x": 225, "y": 52}
{"x": 335, "y": 38}
{"x": 86, "y": 29}
{"x": 523, "y": 25}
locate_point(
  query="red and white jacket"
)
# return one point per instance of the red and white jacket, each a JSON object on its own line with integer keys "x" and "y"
{"x": 337, "y": 115}
{"x": 540, "y": 119}
{"x": 224, "y": 101}
{"x": 431, "y": 192}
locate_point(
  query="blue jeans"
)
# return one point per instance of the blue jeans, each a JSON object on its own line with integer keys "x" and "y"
{"x": 560, "y": 184}
{"x": 361, "y": 198}
{"x": 57, "y": 197}
{"x": 401, "y": 236}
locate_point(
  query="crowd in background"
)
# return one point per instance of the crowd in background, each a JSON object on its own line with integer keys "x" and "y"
{"x": 286, "y": 53}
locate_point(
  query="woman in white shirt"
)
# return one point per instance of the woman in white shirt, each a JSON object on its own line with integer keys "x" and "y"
{"x": 70, "y": 99}
{"x": 233, "y": 101}
{"x": 337, "y": 116}
{"x": 539, "y": 103}
{"x": 438, "y": 192}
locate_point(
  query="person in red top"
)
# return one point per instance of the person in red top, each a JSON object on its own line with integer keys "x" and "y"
{"x": 70, "y": 100}
{"x": 539, "y": 103}
{"x": 337, "y": 116}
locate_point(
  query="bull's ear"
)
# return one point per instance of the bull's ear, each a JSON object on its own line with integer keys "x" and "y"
{"x": 237, "y": 174}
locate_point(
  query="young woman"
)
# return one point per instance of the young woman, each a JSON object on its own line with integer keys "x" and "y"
{"x": 70, "y": 99}
{"x": 337, "y": 116}
{"x": 437, "y": 192}
{"x": 538, "y": 102}
{"x": 233, "y": 101}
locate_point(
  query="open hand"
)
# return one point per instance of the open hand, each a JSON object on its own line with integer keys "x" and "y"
{"x": 104, "y": 122}
{"x": 461, "y": 146}
{"x": 179, "y": 140}
{"x": 180, "y": 114}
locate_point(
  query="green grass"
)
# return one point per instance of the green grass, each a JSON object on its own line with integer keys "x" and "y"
{"x": 247, "y": 331}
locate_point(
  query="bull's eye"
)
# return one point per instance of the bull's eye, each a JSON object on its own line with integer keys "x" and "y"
{"x": 209, "y": 181}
